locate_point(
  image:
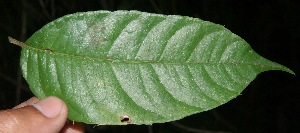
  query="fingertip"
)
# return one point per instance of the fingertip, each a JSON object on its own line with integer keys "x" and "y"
{"x": 51, "y": 107}
{"x": 48, "y": 115}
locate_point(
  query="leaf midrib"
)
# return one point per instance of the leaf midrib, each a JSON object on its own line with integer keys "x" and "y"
{"x": 48, "y": 51}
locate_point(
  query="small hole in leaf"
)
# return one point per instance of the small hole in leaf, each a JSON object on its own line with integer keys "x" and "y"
{"x": 125, "y": 118}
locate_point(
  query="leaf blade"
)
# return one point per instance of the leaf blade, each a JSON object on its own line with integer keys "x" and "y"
{"x": 106, "y": 65}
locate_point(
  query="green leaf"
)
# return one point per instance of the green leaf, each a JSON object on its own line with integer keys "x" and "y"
{"x": 133, "y": 67}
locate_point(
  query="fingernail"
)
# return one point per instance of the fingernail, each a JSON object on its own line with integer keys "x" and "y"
{"x": 50, "y": 107}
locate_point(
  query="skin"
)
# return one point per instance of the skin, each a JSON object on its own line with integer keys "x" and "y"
{"x": 38, "y": 116}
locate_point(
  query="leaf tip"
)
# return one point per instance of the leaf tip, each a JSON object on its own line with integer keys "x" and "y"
{"x": 286, "y": 69}
{"x": 277, "y": 66}
{"x": 290, "y": 71}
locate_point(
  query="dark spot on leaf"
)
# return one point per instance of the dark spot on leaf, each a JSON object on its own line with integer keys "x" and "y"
{"x": 48, "y": 50}
{"x": 102, "y": 28}
{"x": 125, "y": 118}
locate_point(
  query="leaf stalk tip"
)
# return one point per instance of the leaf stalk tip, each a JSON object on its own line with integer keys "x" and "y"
{"x": 16, "y": 42}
